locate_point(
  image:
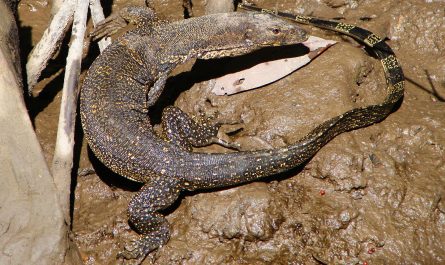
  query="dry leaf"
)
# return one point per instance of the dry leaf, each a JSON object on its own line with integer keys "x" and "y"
{"x": 267, "y": 72}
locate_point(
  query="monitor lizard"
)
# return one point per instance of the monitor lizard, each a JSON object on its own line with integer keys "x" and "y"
{"x": 129, "y": 76}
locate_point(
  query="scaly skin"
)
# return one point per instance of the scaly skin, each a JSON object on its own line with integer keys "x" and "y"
{"x": 129, "y": 77}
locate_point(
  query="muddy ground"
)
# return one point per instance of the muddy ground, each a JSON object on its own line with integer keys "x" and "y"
{"x": 371, "y": 196}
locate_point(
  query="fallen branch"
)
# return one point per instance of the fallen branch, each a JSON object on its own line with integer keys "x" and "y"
{"x": 49, "y": 43}
{"x": 56, "y": 5}
{"x": 33, "y": 229}
{"x": 63, "y": 154}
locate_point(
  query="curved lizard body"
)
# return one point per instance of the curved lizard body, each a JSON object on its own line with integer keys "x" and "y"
{"x": 129, "y": 76}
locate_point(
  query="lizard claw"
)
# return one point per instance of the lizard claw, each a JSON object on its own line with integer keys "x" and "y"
{"x": 131, "y": 251}
{"x": 131, "y": 14}
{"x": 108, "y": 27}
{"x": 224, "y": 143}
{"x": 137, "y": 249}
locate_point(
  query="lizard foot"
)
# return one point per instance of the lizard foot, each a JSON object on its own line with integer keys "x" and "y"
{"x": 211, "y": 129}
{"x": 186, "y": 132}
{"x": 108, "y": 27}
{"x": 139, "y": 249}
{"x": 131, "y": 14}
{"x": 155, "y": 195}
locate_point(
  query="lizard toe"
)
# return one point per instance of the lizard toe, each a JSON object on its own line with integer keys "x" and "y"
{"x": 139, "y": 249}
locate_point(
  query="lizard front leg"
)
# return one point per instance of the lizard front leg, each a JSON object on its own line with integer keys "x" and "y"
{"x": 155, "y": 195}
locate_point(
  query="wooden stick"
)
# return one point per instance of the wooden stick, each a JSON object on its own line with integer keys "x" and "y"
{"x": 97, "y": 15}
{"x": 63, "y": 154}
{"x": 56, "y": 5}
{"x": 49, "y": 43}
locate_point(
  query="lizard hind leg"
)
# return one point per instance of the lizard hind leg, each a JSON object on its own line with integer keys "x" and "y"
{"x": 185, "y": 132}
{"x": 142, "y": 17}
{"x": 157, "y": 194}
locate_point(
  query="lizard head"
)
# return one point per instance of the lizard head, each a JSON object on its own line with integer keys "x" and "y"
{"x": 238, "y": 33}
{"x": 265, "y": 30}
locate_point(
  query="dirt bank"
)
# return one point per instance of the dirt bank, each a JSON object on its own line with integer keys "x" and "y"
{"x": 374, "y": 195}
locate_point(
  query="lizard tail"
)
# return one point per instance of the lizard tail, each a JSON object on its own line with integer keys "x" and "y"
{"x": 248, "y": 166}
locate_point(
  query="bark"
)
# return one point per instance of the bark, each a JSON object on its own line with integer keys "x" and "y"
{"x": 32, "y": 226}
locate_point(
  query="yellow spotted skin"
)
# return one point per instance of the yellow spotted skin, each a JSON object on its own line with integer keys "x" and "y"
{"x": 129, "y": 76}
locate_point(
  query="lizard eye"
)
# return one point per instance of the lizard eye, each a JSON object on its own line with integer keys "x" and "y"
{"x": 276, "y": 31}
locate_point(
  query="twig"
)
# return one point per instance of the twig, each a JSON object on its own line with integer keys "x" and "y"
{"x": 63, "y": 154}
{"x": 433, "y": 87}
{"x": 219, "y": 6}
{"x": 49, "y": 43}
{"x": 97, "y": 15}
{"x": 432, "y": 93}
{"x": 188, "y": 8}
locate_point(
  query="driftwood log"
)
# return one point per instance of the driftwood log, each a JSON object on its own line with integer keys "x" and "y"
{"x": 32, "y": 226}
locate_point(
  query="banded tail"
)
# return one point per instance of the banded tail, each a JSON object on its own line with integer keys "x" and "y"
{"x": 393, "y": 71}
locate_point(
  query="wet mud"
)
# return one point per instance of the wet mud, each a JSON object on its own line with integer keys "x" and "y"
{"x": 370, "y": 196}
